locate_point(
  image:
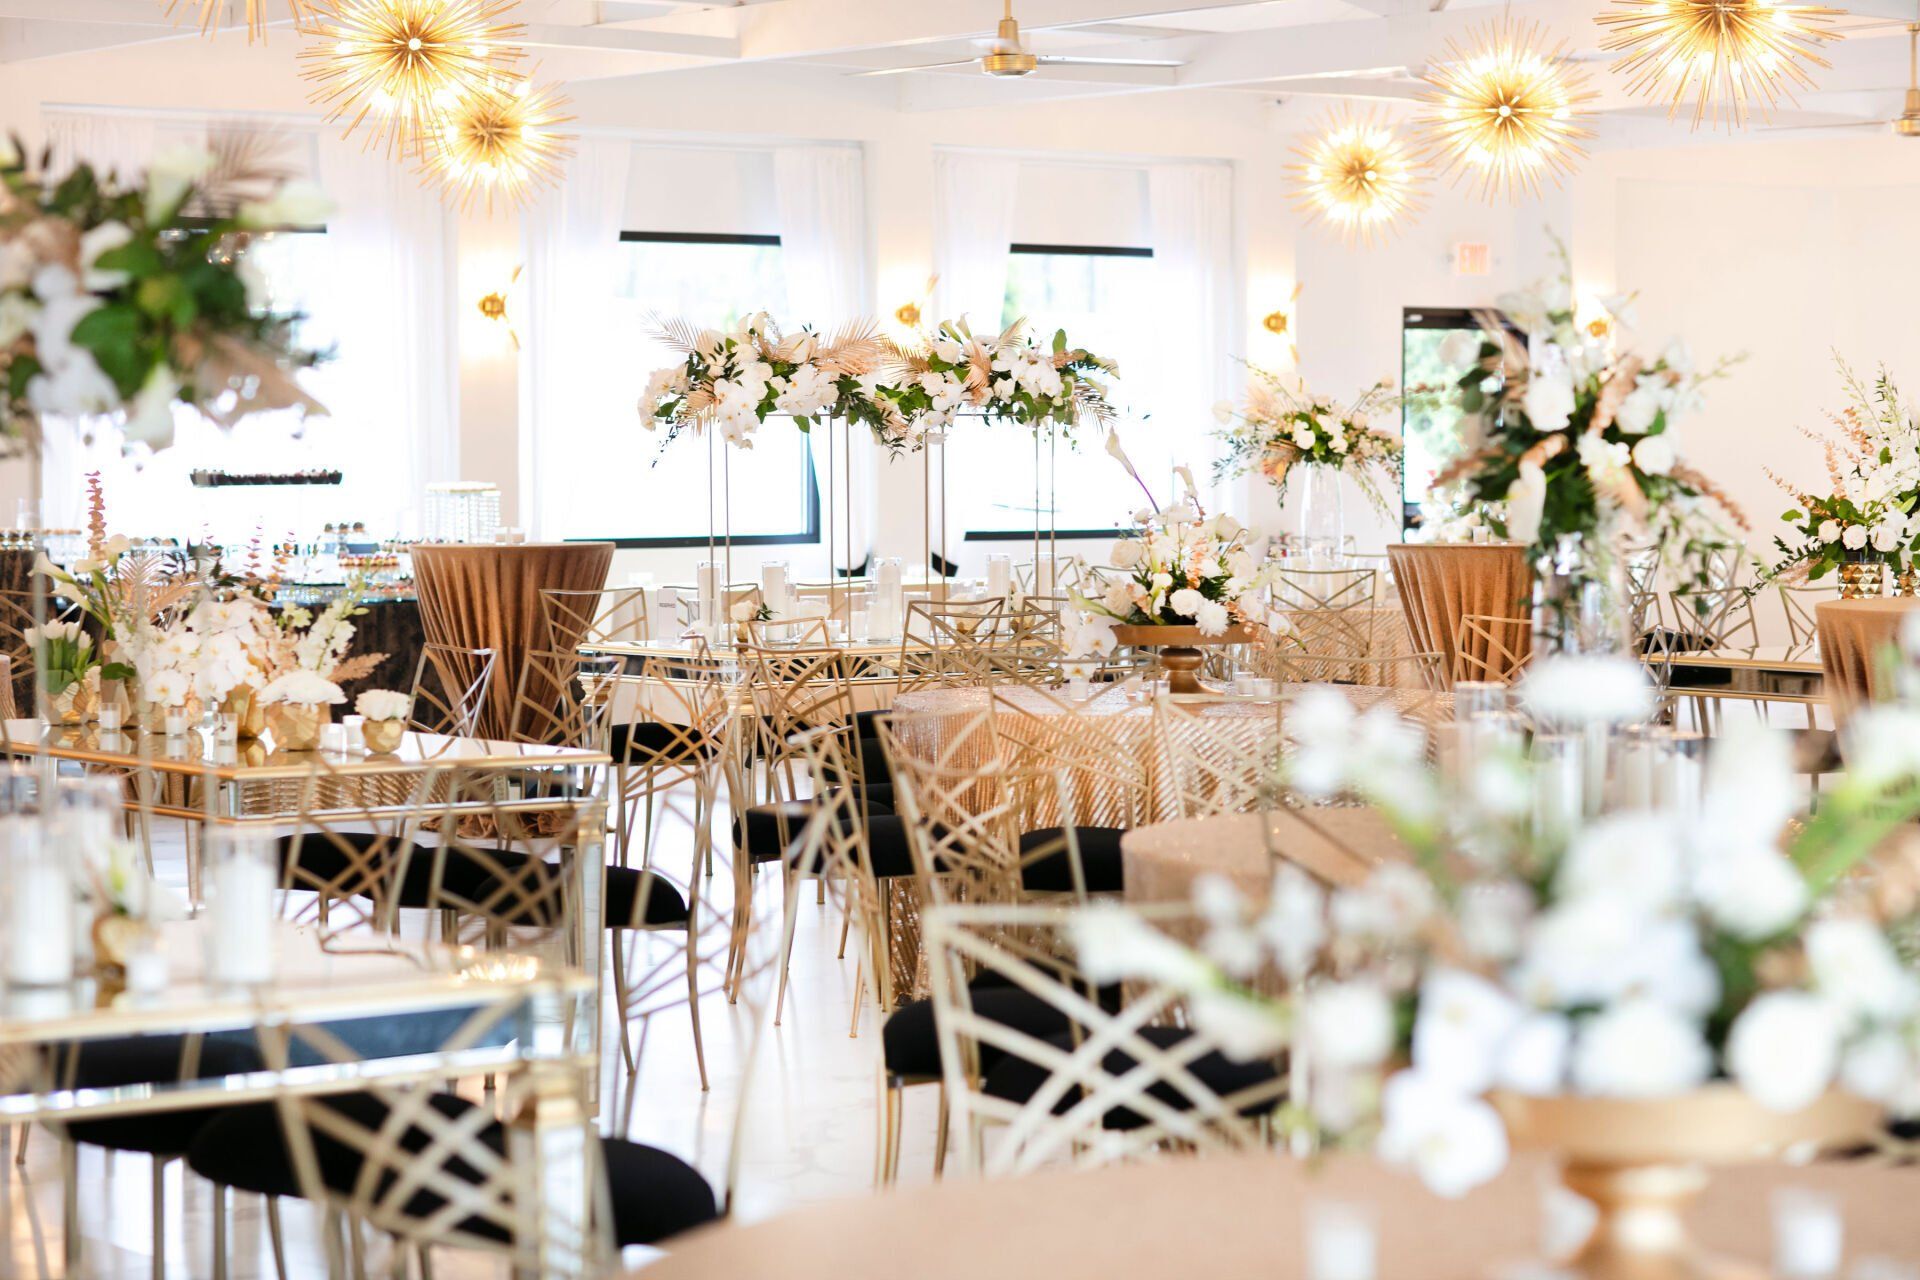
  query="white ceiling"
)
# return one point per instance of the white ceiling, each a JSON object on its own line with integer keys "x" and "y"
{"x": 1316, "y": 50}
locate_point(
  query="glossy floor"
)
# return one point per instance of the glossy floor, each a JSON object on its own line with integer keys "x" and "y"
{"x": 809, "y": 1135}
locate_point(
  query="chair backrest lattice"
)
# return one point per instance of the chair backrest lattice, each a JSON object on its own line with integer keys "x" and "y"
{"x": 1492, "y": 648}
{"x": 450, "y": 689}
{"x": 616, "y": 615}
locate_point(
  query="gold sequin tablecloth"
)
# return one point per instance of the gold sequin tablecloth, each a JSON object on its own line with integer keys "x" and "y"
{"x": 1441, "y": 583}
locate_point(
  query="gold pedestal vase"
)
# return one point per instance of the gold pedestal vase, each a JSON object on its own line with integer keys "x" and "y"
{"x": 1643, "y": 1162}
{"x": 1860, "y": 579}
{"x": 1179, "y": 647}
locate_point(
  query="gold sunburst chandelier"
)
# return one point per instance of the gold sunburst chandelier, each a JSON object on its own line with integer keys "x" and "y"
{"x": 1358, "y": 175}
{"x": 502, "y": 142}
{"x": 1723, "y": 53}
{"x": 1506, "y": 110}
{"x": 402, "y": 66}
{"x": 256, "y": 16}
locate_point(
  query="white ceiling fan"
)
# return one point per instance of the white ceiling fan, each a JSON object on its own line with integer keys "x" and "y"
{"x": 1008, "y": 55}
{"x": 1907, "y": 123}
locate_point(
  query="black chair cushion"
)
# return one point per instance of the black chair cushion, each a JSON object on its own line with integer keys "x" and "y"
{"x": 912, "y": 1050}
{"x": 873, "y": 762}
{"x": 154, "y": 1060}
{"x": 887, "y": 844}
{"x": 534, "y": 898}
{"x": 766, "y": 823}
{"x": 1100, "y": 860}
{"x": 655, "y": 1195}
{"x": 1017, "y": 1079}
{"x": 653, "y": 743}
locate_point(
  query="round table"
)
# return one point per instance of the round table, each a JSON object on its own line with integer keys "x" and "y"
{"x": 1442, "y": 582}
{"x": 1241, "y": 1216}
{"x": 1338, "y": 844}
{"x": 930, "y": 721}
{"x": 487, "y": 596}
{"x": 1853, "y": 634}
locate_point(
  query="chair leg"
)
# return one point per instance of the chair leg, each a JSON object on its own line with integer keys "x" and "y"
{"x": 940, "y": 1136}
{"x": 846, "y": 926}
{"x": 278, "y": 1241}
{"x": 159, "y": 1219}
{"x": 693, "y": 1004}
{"x": 887, "y": 1156}
{"x": 425, "y": 1257}
{"x": 219, "y": 1232}
{"x": 789, "y": 908}
{"x": 70, "y": 1202}
{"x": 20, "y": 1152}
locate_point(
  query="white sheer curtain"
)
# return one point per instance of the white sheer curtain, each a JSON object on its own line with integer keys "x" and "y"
{"x": 1190, "y": 209}
{"x": 393, "y": 389}
{"x": 572, "y": 381}
{"x": 974, "y": 196}
{"x": 821, "y": 197}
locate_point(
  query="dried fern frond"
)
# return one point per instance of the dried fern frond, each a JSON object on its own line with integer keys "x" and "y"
{"x": 96, "y": 517}
{"x": 1614, "y": 394}
{"x": 1712, "y": 492}
{"x": 1462, "y": 467}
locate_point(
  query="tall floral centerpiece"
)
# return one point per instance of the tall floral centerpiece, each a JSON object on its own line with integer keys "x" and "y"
{"x": 1283, "y": 431}
{"x": 1867, "y": 518}
{"x": 1658, "y": 988}
{"x": 1003, "y": 377}
{"x": 1578, "y": 440}
{"x": 124, "y": 299}
{"x": 1191, "y": 580}
{"x": 735, "y": 379}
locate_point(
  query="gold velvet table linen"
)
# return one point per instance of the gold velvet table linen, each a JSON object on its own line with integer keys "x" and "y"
{"x": 1853, "y": 633}
{"x": 1243, "y": 1216}
{"x": 486, "y": 596}
{"x": 1440, "y": 583}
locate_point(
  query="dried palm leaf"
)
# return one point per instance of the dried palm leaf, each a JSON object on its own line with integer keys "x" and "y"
{"x": 675, "y": 332}
{"x": 358, "y": 667}
{"x": 856, "y": 350}
{"x": 1462, "y": 467}
{"x": 1546, "y": 450}
{"x": 248, "y": 164}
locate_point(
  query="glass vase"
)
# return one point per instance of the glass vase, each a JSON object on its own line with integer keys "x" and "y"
{"x": 1318, "y": 499}
{"x": 1579, "y": 600}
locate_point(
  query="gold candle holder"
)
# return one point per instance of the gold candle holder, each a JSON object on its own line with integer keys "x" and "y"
{"x": 383, "y": 736}
{"x": 296, "y": 726}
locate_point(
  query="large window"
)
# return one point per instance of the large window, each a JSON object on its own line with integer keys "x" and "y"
{"x": 1103, "y": 298}
{"x": 764, "y": 494}
{"x": 1431, "y": 427}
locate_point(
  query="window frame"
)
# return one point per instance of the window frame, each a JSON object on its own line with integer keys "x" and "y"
{"x": 1034, "y": 249}
{"x": 1465, "y": 318}
{"x": 810, "y": 535}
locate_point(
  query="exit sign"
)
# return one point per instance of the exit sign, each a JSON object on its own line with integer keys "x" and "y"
{"x": 1471, "y": 259}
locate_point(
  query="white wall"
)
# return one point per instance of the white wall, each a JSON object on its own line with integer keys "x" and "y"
{"x": 1778, "y": 249}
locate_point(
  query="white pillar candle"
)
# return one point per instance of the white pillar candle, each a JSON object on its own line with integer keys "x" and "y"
{"x": 1557, "y": 781}
{"x": 707, "y": 584}
{"x": 1677, "y": 783}
{"x": 999, "y": 577}
{"x": 1593, "y": 751}
{"x": 241, "y": 918}
{"x": 39, "y": 908}
{"x": 773, "y": 586}
{"x": 1633, "y": 773}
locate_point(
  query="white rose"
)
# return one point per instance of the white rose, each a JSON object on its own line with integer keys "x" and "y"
{"x": 1880, "y": 1067}
{"x": 1127, "y": 553}
{"x": 1463, "y": 1021}
{"x": 171, "y": 175}
{"x": 1549, "y": 401}
{"x": 1855, "y": 537}
{"x": 1346, "y": 1025}
{"x": 1887, "y": 536}
{"x": 1654, "y": 455}
{"x": 1526, "y": 502}
{"x": 1187, "y": 602}
{"x": 1638, "y": 410}
{"x": 1303, "y": 436}
{"x": 1829, "y": 531}
{"x": 1118, "y": 598}
{"x": 1460, "y": 348}
{"x": 296, "y": 204}
{"x": 1783, "y": 1049}
{"x": 1630, "y": 855}
{"x": 1533, "y": 1058}
{"x": 1858, "y": 973}
{"x": 1752, "y": 894}
{"x": 1453, "y": 1141}
{"x": 1639, "y": 1049}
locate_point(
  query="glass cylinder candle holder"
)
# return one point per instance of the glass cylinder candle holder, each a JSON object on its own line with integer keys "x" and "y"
{"x": 1475, "y": 699}
{"x": 1558, "y": 780}
{"x": 40, "y": 905}
{"x": 774, "y": 582}
{"x": 999, "y": 577}
{"x": 1680, "y": 758}
{"x": 241, "y": 878}
{"x": 176, "y": 722}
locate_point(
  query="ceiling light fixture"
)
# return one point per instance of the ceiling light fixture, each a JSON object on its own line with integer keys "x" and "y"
{"x": 501, "y": 141}
{"x": 1506, "y": 110}
{"x": 1358, "y": 175}
{"x": 402, "y": 66}
{"x": 1724, "y": 54}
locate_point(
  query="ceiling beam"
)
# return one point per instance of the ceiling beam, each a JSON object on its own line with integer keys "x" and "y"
{"x": 131, "y": 13}
{"x": 628, "y": 40}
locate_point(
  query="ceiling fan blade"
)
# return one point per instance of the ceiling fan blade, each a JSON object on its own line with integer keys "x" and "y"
{"x": 1845, "y": 124}
{"x": 1067, "y": 60}
{"x": 925, "y": 66}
